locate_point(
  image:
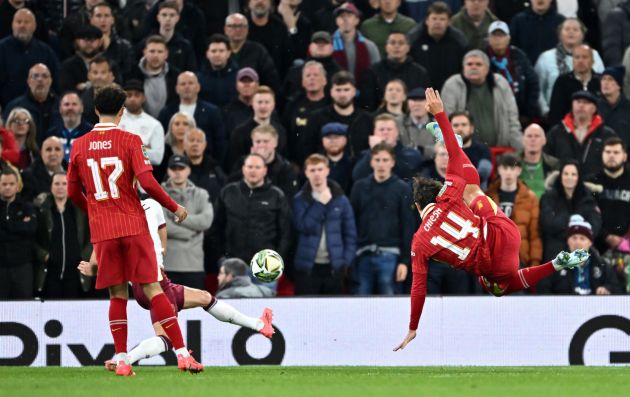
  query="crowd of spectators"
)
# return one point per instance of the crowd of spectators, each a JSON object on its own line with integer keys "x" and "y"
{"x": 298, "y": 126}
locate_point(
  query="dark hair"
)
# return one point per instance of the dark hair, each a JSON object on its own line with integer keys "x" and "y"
{"x": 439, "y": 7}
{"x": 219, "y": 38}
{"x": 168, "y": 4}
{"x": 10, "y": 171}
{"x": 509, "y": 159}
{"x": 615, "y": 140}
{"x": 580, "y": 189}
{"x": 383, "y": 147}
{"x": 235, "y": 267}
{"x": 71, "y": 92}
{"x": 463, "y": 113}
{"x": 399, "y": 32}
{"x": 343, "y": 77}
{"x": 425, "y": 190}
{"x": 102, "y": 4}
{"x": 109, "y": 99}
{"x": 97, "y": 60}
{"x": 155, "y": 39}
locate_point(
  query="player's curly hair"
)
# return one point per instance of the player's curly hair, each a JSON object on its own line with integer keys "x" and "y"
{"x": 425, "y": 190}
{"x": 109, "y": 99}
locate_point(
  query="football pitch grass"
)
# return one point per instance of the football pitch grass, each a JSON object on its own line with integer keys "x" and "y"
{"x": 319, "y": 381}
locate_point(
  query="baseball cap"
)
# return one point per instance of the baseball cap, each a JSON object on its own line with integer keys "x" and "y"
{"x": 177, "y": 160}
{"x": 499, "y": 25}
{"x": 334, "y": 129}
{"x": 134, "y": 85}
{"x": 347, "y": 7}
{"x": 321, "y": 36}
{"x": 583, "y": 94}
{"x": 417, "y": 93}
{"x": 249, "y": 73}
{"x": 88, "y": 32}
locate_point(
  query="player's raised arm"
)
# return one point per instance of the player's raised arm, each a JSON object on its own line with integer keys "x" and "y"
{"x": 436, "y": 107}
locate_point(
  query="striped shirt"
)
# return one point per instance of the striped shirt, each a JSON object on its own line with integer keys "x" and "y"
{"x": 106, "y": 161}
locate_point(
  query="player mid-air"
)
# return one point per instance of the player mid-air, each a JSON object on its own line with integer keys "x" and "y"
{"x": 181, "y": 297}
{"x": 463, "y": 227}
{"x": 106, "y": 163}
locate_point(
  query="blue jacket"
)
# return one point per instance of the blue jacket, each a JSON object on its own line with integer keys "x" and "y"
{"x": 209, "y": 119}
{"x": 535, "y": 34}
{"x": 15, "y": 61}
{"x": 337, "y": 217}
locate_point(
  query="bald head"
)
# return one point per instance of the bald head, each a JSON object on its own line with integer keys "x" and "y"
{"x": 236, "y": 28}
{"x": 533, "y": 139}
{"x": 24, "y": 25}
{"x": 187, "y": 87}
{"x": 52, "y": 153}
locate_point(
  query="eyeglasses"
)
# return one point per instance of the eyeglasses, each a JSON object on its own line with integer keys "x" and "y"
{"x": 20, "y": 121}
{"x": 36, "y": 76}
{"x": 236, "y": 26}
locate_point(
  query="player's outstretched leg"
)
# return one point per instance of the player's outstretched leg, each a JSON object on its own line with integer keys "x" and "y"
{"x": 530, "y": 276}
{"x": 225, "y": 312}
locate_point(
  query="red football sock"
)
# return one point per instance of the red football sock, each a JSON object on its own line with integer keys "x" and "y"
{"x": 118, "y": 323}
{"x": 529, "y": 277}
{"x": 163, "y": 312}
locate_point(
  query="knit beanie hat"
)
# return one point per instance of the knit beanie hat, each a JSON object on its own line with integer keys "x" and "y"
{"x": 616, "y": 72}
{"x": 577, "y": 225}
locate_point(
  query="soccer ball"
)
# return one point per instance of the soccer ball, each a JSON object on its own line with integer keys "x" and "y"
{"x": 267, "y": 265}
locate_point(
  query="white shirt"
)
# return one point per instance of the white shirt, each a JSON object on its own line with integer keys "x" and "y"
{"x": 155, "y": 219}
{"x": 149, "y": 130}
{"x": 188, "y": 109}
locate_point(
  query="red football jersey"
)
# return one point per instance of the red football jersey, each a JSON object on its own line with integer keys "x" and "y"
{"x": 106, "y": 161}
{"x": 451, "y": 233}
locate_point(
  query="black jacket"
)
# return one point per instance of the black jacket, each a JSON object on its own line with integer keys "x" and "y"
{"x": 555, "y": 211}
{"x": 36, "y": 179}
{"x": 562, "y": 143}
{"x": 374, "y": 80}
{"x": 565, "y": 86}
{"x": 614, "y": 202}
{"x": 18, "y": 230}
{"x": 253, "y": 219}
{"x": 616, "y": 116}
{"x": 600, "y": 274}
{"x": 383, "y": 213}
{"x": 255, "y": 56}
{"x": 441, "y": 59}
{"x": 241, "y": 142}
{"x": 180, "y": 52}
{"x": 525, "y": 84}
{"x": 359, "y": 129}
{"x": 218, "y": 86}
{"x": 535, "y": 33}
{"x": 45, "y": 114}
{"x": 208, "y": 175}
{"x": 292, "y": 86}
{"x": 208, "y": 119}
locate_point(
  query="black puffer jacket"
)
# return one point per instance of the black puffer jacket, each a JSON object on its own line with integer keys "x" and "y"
{"x": 253, "y": 219}
{"x": 18, "y": 229}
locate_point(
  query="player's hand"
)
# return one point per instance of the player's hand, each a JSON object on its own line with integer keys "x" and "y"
{"x": 401, "y": 272}
{"x": 85, "y": 268}
{"x": 180, "y": 214}
{"x": 411, "y": 335}
{"x": 434, "y": 103}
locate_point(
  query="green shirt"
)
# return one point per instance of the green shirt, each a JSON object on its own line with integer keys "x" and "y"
{"x": 534, "y": 177}
{"x": 481, "y": 107}
{"x": 377, "y": 29}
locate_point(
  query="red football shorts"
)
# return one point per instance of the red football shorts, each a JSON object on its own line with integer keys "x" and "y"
{"x": 126, "y": 259}
{"x": 174, "y": 293}
{"x": 502, "y": 237}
